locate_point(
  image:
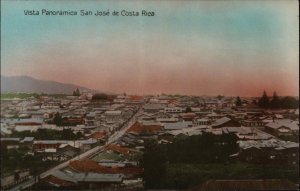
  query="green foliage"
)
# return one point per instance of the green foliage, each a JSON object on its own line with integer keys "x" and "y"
{"x": 154, "y": 163}
{"x": 76, "y": 92}
{"x": 289, "y": 103}
{"x": 14, "y": 159}
{"x": 238, "y": 101}
{"x": 264, "y": 100}
{"x": 67, "y": 134}
{"x": 188, "y": 109}
{"x": 29, "y": 95}
{"x": 57, "y": 120}
{"x": 186, "y": 175}
{"x": 193, "y": 160}
{"x": 277, "y": 103}
{"x": 200, "y": 149}
{"x": 100, "y": 96}
{"x": 48, "y": 134}
{"x": 18, "y": 95}
{"x": 292, "y": 138}
{"x": 79, "y": 135}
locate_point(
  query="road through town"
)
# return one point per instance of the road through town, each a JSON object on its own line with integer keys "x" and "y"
{"x": 114, "y": 137}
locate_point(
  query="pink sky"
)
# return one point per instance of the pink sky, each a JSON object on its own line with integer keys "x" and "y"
{"x": 199, "y": 48}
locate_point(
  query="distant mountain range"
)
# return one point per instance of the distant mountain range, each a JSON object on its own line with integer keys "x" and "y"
{"x": 27, "y": 84}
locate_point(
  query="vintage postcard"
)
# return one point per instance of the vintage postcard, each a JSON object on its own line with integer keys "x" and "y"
{"x": 150, "y": 95}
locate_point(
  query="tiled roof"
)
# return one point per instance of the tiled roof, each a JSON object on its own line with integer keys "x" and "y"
{"x": 98, "y": 135}
{"x": 57, "y": 181}
{"x": 135, "y": 98}
{"x": 117, "y": 148}
{"x": 87, "y": 166}
{"x": 92, "y": 166}
{"x": 139, "y": 128}
{"x": 294, "y": 125}
{"x": 178, "y": 125}
{"x": 221, "y": 121}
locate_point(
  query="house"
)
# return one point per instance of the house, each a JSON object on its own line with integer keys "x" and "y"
{"x": 188, "y": 116}
{"x": 202, "y": 121}
{"x": 271, "y": 151}
{"x": 86, "y": 145}
{"x": 225, "y": 122}
{"x": 134, "y": 100}
{"x": 214, "y": 116}
{"x": 113, "y": 115}
{"x": 145, "y": 129}
{"x": 174, "y": 109}
{"x": 10, "y": 143}
{"x": 73, "y": 120}
{"x": 152, "y": 108}
{"x": 169, "y": 135}
{"x": 90, "y": 166}
{"x": 284, "y": 127}
{"x": 101, "y": 136}
{"x": 27, "y": 142}
{"x": 41, "y": 145}
{"x": 253, "y": 123}
{"x": 146, "y": 117}
{"x": 90, "y": 118}
{"x": 178, "y": 125}
{"x": 9, "y": 181}
{"x": 247, "y": 133}
{"x": 67, "y": 150}
{"x": 86, "y": 180}
{"x": 167, "y": 120}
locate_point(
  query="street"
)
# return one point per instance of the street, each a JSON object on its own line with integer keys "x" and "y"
{"x": 114, "y": 137}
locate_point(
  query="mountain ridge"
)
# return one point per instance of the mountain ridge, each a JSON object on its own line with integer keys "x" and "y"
{"x": 28, "y": 84}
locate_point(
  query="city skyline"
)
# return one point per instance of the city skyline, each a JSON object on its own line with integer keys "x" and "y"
{"x": 228, "y": 48}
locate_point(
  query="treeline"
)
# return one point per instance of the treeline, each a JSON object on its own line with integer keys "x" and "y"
{"x": 103, "y": 97}
{"x": 190, "y": 161}
{"x": 49, "y": 134}
{"x": 278, "y": 103}
{"x": 12, "y": 159}
{"x": 76, "y": 92}
{"x": 200, "y": 149}
{"x": 29, "y": 95}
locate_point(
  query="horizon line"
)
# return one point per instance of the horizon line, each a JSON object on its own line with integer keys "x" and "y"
{"x": 141, "y": 94}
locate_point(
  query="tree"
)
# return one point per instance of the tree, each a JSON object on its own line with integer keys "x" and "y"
{"x": 99, "y": 96}
{"x": 238, "y": 101}
{"x": 58, "y": 121}
{"x": 79, "y": 135}
{"x": 275, "y": 102}
{"x": 220, "y": 97}
{"x": 67, "y": 134}
{"x": 264, "y": 100}
{"x": 76, "y": 92}
{"x": 289, "y": 103}
{"x": 188, "y": 109}
{"x": 154, "y": 164}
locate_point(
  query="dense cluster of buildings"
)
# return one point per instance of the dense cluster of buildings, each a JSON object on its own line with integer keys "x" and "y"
{"x": 115, "y": 131}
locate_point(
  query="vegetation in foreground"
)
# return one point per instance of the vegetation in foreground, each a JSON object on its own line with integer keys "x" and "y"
{"x": 191, "y": 161}
{"x": 29, "y": 95}
{"x": 48, "y": 134}
{"x": 19, "y": 159}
